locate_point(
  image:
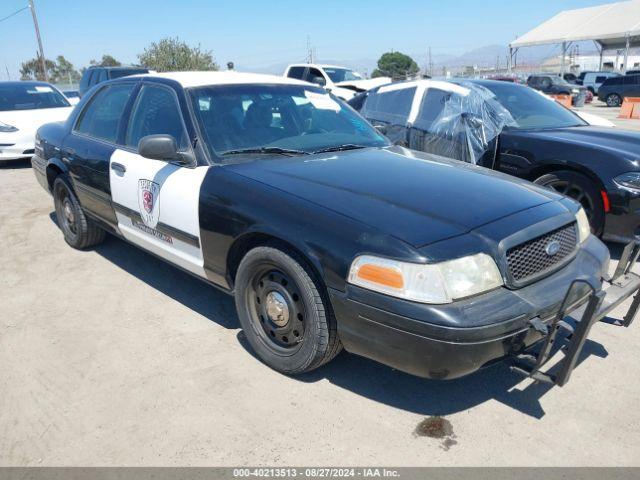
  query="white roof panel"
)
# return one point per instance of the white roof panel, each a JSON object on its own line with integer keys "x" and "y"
{"x": 199, "y": 79}
{"x": 610, "y": 24}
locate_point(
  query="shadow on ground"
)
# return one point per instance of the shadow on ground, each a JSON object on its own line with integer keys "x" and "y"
{"x": 356, "y": 374}
{"x": 15, "y": 164}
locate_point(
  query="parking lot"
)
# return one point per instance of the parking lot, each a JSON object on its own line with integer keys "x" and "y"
{"x": 112, "y": 357}
{"x": 600, "y": 108}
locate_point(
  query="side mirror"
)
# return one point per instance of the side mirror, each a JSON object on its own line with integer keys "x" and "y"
{"x": 159, "y": 147}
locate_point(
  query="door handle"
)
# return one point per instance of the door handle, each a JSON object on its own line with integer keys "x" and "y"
{"x": 118, "y": 167}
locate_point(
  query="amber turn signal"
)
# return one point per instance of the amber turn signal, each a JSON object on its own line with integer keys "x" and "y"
{"x": 381, "y": 275}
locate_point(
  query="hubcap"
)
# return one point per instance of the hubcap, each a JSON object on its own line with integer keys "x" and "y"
{"x": 277, "y": 309}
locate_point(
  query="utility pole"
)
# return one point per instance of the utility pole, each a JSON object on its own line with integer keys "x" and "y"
{"x": 7, "y": 69}
{"x": 430, "y": 64}
{"x": 35, "y": 24}
{"x": 309, "y": 50}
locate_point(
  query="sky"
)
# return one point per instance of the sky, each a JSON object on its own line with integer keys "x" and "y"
{"x": 259, "y": 33}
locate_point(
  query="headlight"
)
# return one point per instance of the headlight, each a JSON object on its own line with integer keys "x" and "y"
{"x": 7, "y": 128}
{"x": 628, "y": 180}
{"x": 575, "y": 90}
{"x": 584, "y": 229}
{"x": 426, "y": 283}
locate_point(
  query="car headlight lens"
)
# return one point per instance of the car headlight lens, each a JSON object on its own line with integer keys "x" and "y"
{"x": 426, "y": 283}
{"x": 4, "y": 127}
{"x": 584, "y": 229}
{"x": 575, "y": 90}
{"x": 628, "y": 180}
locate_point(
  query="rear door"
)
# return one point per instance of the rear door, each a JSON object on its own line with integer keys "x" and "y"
{"x": 632, "y": 86}
{"x": 156, "y": 202}
{"x": 88, "y": 148}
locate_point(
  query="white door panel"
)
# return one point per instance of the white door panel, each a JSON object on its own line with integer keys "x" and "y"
{"x": 156, "y": 206}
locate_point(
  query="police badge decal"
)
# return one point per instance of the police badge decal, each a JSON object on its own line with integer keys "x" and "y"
{"x": 148, "y": 202}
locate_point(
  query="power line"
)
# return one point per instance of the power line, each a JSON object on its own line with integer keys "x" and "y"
{"x": 14, "y": 13}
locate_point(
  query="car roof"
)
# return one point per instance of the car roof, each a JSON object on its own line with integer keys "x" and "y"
{"x": 201, "y": 79}
{"x": 316, "y": 65}
{"x": 14, "y": 83}
{"x": 121, "y": 67}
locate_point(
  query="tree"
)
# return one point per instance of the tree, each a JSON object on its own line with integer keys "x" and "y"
{"x": 171, "y": 54}
{"x": 64, "y": 72}
{"x": 107, "y": 61}
{"x": 32, "y": 69}
{"x": 395, "y": 65}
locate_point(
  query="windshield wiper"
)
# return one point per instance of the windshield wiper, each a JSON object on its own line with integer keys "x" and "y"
{"x": 340, "y": 148}
{"x": 266, "y": 151}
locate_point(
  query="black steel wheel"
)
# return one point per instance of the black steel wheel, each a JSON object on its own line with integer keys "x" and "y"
{"x": 284, "y": 311}
{"x": 613, "y": 100}
{"x": 78, "y": 230}
{"x": 582, "y": 190}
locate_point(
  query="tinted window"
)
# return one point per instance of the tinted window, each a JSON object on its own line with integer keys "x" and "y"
{"x": 600, "y": 79}
{"x": 631, "y": 79}
{"x": 296, "y": 72}
{"x": 101, "y": 117}
{"x": 613, "y": 81}
{"x": 391, "y": 106}
{"x": 315, "y": 76}
{"x": 125, "y": 72}
{"x": 156, "y": 112}
{"x": 101, "y": 77}
{"x": 15, "y": 96}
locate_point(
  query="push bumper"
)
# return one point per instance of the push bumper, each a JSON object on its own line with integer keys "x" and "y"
{"x": 441, "y": 342}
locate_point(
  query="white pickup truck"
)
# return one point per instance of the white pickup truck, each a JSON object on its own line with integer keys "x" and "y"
{"x": 342, "y": 82}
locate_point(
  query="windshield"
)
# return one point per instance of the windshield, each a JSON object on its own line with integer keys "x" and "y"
{"x": 341, "y": 74}
{"x": 530, "y": 109}
{"x": 297, "y": 118}
{"x": 30, "y": 97}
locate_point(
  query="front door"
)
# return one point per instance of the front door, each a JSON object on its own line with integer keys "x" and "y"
{"x": 156, "y": 202}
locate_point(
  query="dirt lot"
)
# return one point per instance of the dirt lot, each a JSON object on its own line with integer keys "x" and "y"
{"x": 111, "y": 357}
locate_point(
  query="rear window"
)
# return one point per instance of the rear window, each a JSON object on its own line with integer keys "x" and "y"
{"x": 296, "y": 72}
{"x": 392, "y": 106}
{"x": 30, "y": 97}
{"x": 125, "y": 72}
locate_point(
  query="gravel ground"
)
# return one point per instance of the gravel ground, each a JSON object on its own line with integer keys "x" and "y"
{"x": 112, "y": 357}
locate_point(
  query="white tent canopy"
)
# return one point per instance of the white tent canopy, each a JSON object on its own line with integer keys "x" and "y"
{"x": 610, "y": 26}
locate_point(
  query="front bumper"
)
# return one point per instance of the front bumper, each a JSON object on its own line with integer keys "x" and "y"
{"x": 450, "y": 341}
{"x": 622, "y": 222}
{"x": 16, "y": 145}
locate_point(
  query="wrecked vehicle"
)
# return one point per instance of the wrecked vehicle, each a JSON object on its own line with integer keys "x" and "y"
{"x": 516, "y": 130}
{"x": 327, "y": 235}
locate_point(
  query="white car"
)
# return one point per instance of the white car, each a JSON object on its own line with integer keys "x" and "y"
{"x": 24, "y": 107}
{"x": 342, "y": 82}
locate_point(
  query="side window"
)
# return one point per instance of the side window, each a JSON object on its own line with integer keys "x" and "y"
{"x": 600, "y": 79}
{"x": 102, "y": 76}
{"x": 296, "y": 72}
{"x": 315, "y": 76}
{"x": 101, "y": 117}
{"x": 156, "y": 112}
{"x": 545, "y": 83}
{"x": 392, "y": 106}
{"x": 432, "y": 106}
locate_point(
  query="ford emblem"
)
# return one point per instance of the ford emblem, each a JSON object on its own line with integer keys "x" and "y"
{"x": 552, "y": 248}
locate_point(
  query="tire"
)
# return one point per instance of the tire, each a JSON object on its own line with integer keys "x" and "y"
{"x": 79, "y": 231}
{"x": 613, "y": 100}
{"x": 302, "y": 336}
{"x": 581, "y": 189}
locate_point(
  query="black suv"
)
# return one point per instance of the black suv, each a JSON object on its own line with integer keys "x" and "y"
{"x": 614, "y": 89}
{"x": 555, "y": 85}
{"x": 94, "y": 75}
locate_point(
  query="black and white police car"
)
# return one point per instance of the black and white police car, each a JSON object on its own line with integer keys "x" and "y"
{"x": 328, "y": 236}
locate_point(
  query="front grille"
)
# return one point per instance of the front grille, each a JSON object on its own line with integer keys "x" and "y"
{"x": 530, "y": 258}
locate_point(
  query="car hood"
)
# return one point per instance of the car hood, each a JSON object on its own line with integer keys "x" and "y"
{"x": 416, "y": 197}
{"x": 34, "y": 119}
{"x": 621, "y": 142}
